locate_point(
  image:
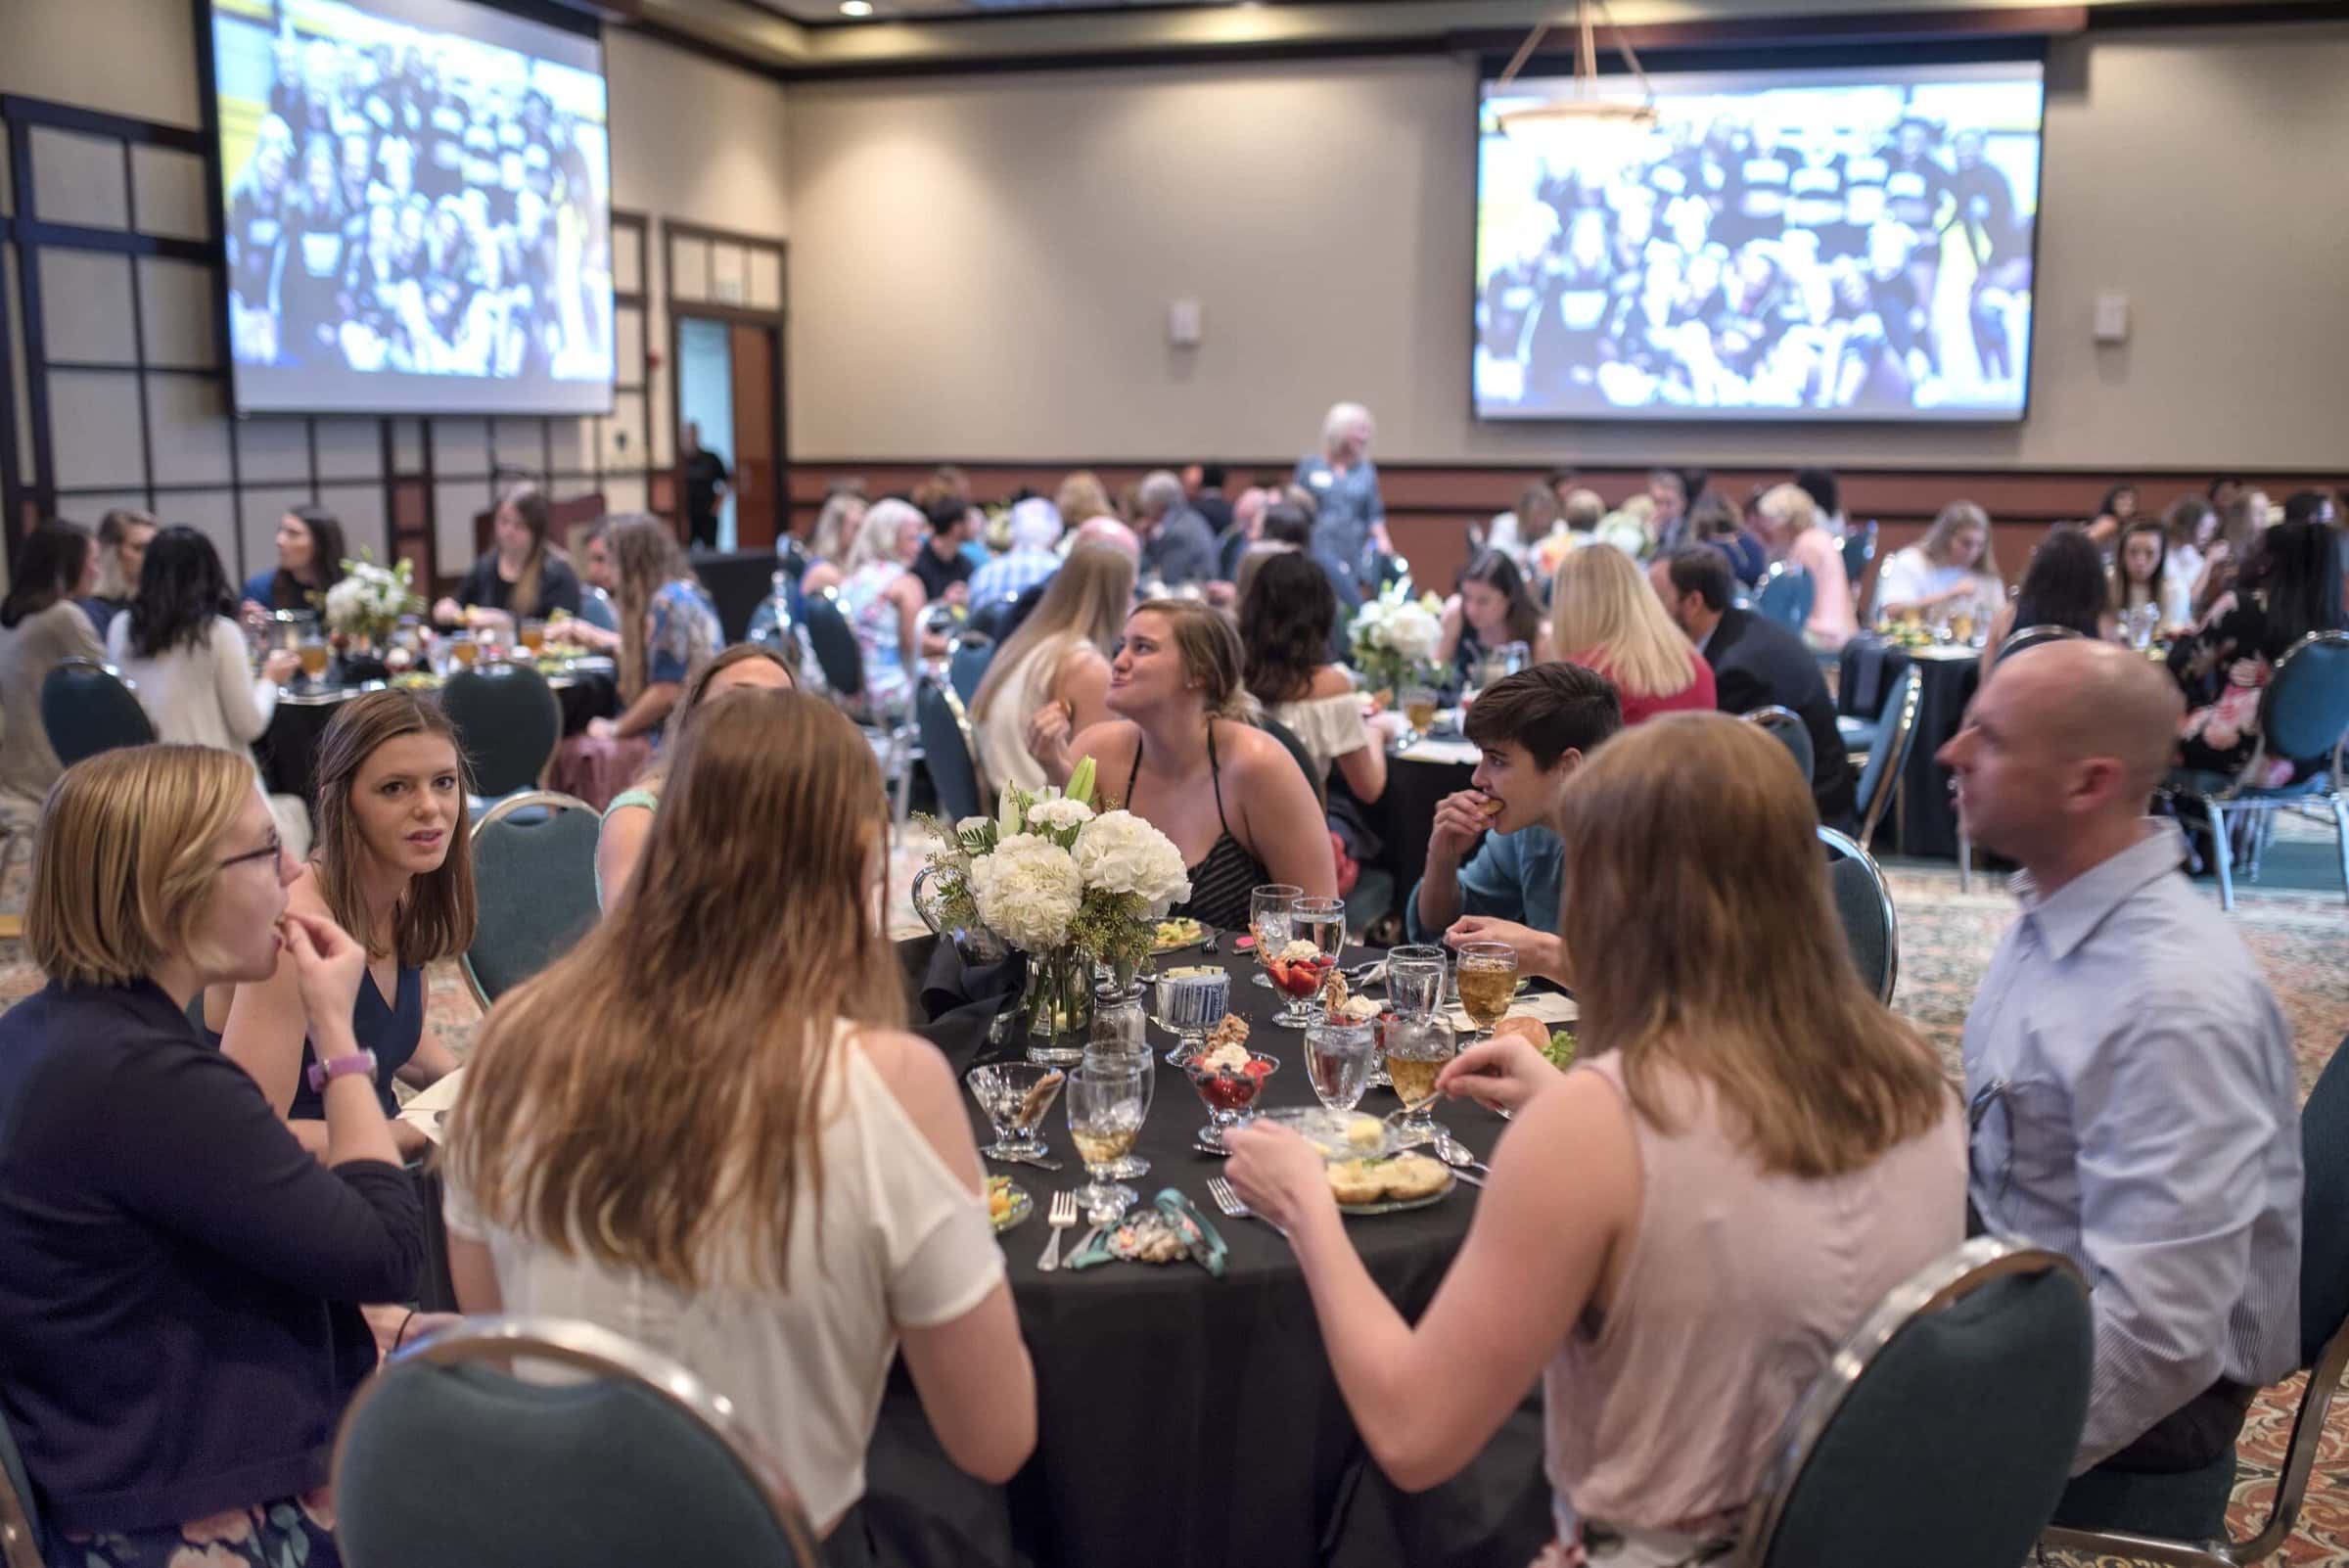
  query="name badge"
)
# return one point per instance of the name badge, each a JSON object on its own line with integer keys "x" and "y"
{"x": 1320, "y": 478}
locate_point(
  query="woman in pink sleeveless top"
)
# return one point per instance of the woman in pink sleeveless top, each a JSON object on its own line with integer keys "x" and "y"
{"x": 1677, "y": 1233}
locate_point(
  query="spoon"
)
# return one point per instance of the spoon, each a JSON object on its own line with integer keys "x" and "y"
{"x": 1463, "y": 1164}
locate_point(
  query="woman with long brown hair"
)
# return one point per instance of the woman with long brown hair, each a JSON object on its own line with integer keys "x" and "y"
{"x": 714, "y": 1134}
{"x": 1183, "y": 752}
{"x": 629, "y": 819}
{"x": 1678, "y": 1232}
{"x": 390, "y": 863}
{"x": 1059, "y": 657}
{"x": 521, "y": 576}
{"x": 667, "y": 620}
{"x": 1490, "y": 608}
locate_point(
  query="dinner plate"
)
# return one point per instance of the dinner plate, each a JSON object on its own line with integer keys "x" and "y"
{"x": 1404, "y": 1204}
{"x": 1161, "y": 950}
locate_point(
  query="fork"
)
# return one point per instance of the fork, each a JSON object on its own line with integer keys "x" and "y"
{"x": 1228, "y": 1200}
{"x": 1060, "y": 1218}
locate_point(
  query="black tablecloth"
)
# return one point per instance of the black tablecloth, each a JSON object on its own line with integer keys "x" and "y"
{"x": 1929, "y": 820}
{"x": 289, "y": 748}
{"x": 1413, "y": 790}
{"x": 1186, "y": 1420}
{"x": 739, "y": 581}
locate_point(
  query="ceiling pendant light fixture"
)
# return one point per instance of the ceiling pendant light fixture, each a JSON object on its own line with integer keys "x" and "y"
{"x": 1585, "y": 106}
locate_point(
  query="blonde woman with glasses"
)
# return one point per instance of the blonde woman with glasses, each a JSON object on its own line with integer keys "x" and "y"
{"x": 1605, "y": 618}
{"x": 714, "y": 1137}
{"x": 1677, "y": 1233}
{"x": 1059, "y": 657}
{"x": 178, "y": 1274}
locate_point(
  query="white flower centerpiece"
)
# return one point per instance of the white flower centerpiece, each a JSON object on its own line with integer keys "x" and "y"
{"x": 365, "y": 606}
{"x": 1393, "y": 636}
{"x": 1066, "y": 885}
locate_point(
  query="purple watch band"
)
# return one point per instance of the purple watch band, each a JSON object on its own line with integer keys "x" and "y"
{"x": 325, "y": 1072}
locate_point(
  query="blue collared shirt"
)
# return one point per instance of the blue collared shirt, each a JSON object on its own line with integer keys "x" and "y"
{"x": 2136, "y": 1108}
{"x": 1349, "y": 508}
{"x": 1007, "y": 577}
{"x": 1512, "y": 876}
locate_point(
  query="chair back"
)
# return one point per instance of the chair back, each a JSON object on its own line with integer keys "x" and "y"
{"x": 1888, "y": 752}
{"x": 88, "y": 708}
{"x": 1787, "y": 726}
{"x": 1941, "y": 1433}
{"x": 595, "y": 607}
{"x": 2304, "y": 710}
{"x": 948, "y": 750}
{"x": 836, "y": 652}
{"x": 1296, "y": 748}
{"x": 2034, "y": 638}
{"x": 447, "y": 1457}
{"x": 1864, "y": 903}
{"x": 536, "y": 873}
{"x": 987, "y": 620}
{"x": 1864, "y": 675}
{"x": 509, "y": 722}
{"x": 20, "y": 1519}
{"x": 1786, "y": 595}
{"x": 966, "y": 663}
{"x": 1859, "y": 549}
{"x": 2325, "y": 1208}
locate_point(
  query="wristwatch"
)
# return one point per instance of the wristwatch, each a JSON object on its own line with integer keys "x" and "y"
{"x": 325, "y": 1072}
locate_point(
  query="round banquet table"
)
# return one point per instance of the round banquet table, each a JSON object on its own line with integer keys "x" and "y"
{"x": 1188, "y": 1421}
{"x": 289, "y": 748}
{"x": 1927, "y": 820}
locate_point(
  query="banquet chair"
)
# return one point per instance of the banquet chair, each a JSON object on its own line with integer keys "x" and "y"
{"x": 1864, "y": 903}
{"x": 88, "y": 708}
{"x": 1864, "y": 672}
{"x": 949, "y": 751}
{"x": 1939, "y": 1434}
{"x": 2303, "y": 713}
{"x": 19, "y": 1516}
{"x": 841, "y": 664}
{"x": 1785, "y": 595}
{"x": 1787, "y": 727}
{"x": 1887, "y": 759}
{"x": 447, "y": 1457}
{"x": 509, "y": 723}
{"x": 2182, "y": 1519}
{"x": 967, "y": 658}
{"x": 536, "y": 876}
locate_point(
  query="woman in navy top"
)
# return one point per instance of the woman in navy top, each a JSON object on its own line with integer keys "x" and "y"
{"x": 177, "y": 1275}
{"x": 392, "y": 867}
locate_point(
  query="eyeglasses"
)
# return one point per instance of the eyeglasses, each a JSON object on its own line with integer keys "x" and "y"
{"x": 268, "y": 852}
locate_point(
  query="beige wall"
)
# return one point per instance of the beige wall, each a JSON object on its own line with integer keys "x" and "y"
{"x": 981, "y": 266}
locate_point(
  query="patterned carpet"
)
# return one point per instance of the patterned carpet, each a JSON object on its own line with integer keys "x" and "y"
{"x": 2300, "y": 939}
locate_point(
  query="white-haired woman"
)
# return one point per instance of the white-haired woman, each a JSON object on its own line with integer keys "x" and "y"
{"x": 1349, "y": 520}
{"x": 883, "y": 601}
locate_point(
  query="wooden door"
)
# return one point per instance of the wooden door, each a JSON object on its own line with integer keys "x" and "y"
{"x": 757, "y": 490}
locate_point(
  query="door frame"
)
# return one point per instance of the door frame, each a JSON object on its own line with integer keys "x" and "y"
{"x": 770, "y": 320}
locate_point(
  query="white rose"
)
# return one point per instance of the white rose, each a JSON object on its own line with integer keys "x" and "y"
{"x": 1028, "y": 891}
{"x": 1119, "y": 852}
{"x": 1413, "y": 633}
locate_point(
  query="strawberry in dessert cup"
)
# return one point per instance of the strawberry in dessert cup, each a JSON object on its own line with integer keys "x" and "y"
{"x": 1229, "y": 1077}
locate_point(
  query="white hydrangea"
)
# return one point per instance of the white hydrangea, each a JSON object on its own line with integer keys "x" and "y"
{"x": 1058, "y": 816}
{"x": 1028, "y": 891}
{"x": 1119, "y": 852}
{"x": 1414, "y": 631}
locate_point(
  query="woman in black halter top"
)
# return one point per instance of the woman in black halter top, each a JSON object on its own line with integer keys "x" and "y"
{"x": 392, "y": 867}
{"x": 1181, "y": 743}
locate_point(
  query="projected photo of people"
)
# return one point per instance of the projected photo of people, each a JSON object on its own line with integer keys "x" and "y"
{"x": 416, "y": 196}
{"x": 1828, "y": 245}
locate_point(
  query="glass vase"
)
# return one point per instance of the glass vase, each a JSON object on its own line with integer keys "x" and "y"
{"x": 1059, "y": 1004}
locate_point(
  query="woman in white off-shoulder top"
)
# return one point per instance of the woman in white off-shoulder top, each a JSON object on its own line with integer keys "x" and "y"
{"x": 1285, "y": 624}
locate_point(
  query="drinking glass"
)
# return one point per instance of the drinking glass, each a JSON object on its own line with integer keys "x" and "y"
{"x": 1418, "y": 708}
{"x": 1120, "y": 1041}
{"x": 1416, "y": 1050}
{"x": 315, "y": 656}
{"x": 1268, "y": 923}
{"x": 1416, "y": 979}
{"x": 1106, "y": 1106}
{"x": 1190, "y": 1006}
{"x": 533, "y": 636}
{"x": 1514, "y": 657}
{"x": 1337, "y": 1058}
{"x": 1015, "y": 1096}
{"x": 461, "y": 649}
{"x": 1321, "y": 922}
{"x": 1487, "y": 981}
